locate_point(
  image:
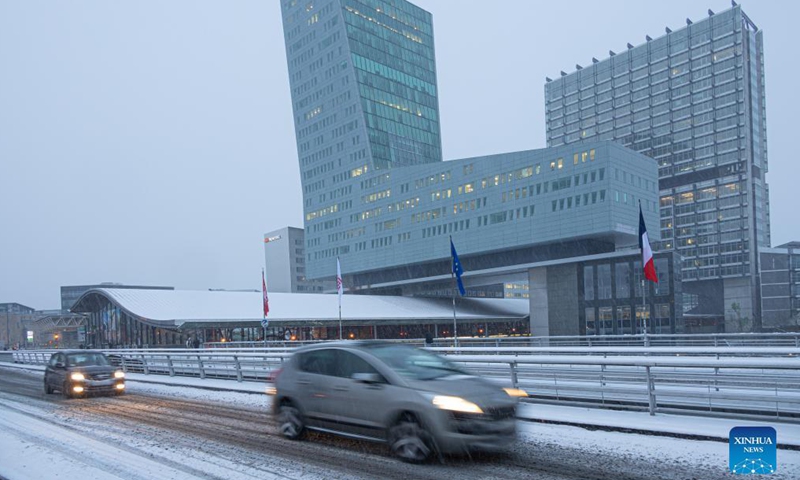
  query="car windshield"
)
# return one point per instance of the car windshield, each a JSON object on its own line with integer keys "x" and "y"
{"x": 86, "y": 359}
{"x": 414, "y": 362}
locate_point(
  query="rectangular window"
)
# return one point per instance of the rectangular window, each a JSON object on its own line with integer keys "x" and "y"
{"x": 605, "y": 321}
{"x": 588, "y": 282}
{"x": 624, "y": 320}
{"x": 604, "y": 282}
{"x": 662, "y": 270}
{"x": 661, "y": 322}
{"x": 591, "y": 327}
{"x": 623, "y": 273}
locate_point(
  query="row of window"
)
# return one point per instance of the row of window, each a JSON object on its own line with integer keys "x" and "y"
{"x": 618, "y": 321}
{"x": 673, "y": 81}
{"x": 623, "y": 281}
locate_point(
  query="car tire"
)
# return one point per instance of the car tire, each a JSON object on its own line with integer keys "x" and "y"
{"x": 409, "y": 441}
{"x": 66, "y": 390}
{"x": 290, "y": 422}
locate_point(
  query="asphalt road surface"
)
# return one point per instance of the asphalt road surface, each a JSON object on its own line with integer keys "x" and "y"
{"x": 217, "y": 437}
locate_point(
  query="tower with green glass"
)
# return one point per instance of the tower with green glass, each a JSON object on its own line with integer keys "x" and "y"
{"x": 363, "y": 85}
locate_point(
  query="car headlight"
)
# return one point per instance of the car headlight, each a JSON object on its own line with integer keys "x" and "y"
{"x": 119, "y": 374}
{"x": 77, "y": 376}
{"x": 516, "y": 392}
{"x": 456, "y": 404}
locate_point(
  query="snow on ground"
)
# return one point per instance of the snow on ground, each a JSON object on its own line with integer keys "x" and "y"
{"x": 34, "y": 449}
{"x": 661, "y": 452}
{"x": 788, "y": 433}
{"x": 28, "y": 449}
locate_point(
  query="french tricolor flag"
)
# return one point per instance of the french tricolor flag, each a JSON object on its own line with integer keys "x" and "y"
{"x": 647, "y": 253}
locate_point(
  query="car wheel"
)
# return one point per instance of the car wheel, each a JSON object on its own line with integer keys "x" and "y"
{"x": 66, "y": 390}
{"x": 409, "y": 441}
{"x": 290, "y": 422}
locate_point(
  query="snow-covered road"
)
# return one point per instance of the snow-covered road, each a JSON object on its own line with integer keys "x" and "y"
{"x": 169, "y": 432}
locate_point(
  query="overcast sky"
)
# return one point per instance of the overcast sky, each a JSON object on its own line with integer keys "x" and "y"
{"x": 151, "y": 142}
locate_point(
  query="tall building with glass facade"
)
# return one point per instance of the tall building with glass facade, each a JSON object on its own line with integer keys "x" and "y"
{"x": 692, "y": 99}
{"x": 378, "y": 197}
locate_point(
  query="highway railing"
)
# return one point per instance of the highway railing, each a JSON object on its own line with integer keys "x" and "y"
{"x": 662, "y": 340}
{"x": 759, "y": 382}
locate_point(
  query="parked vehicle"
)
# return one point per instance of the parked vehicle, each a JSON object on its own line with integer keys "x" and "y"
{"x": 419, "y": 403}
{"x": 82, "y": 373}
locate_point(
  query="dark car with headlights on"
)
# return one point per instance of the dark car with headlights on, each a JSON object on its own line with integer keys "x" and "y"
{"x": 419, "y": 403}
{"x": 82, "y": 373}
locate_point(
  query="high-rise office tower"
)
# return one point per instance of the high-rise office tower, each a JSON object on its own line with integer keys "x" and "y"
{"x": 363, "y": 84}
{"x": 693, "y": 99}
{"x": 378, "y": 196}
{"x": 375, "y": 60}
{"x": 375, "y": 189}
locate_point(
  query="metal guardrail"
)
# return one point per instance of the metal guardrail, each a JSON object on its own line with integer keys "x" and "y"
{"x": 757, "y": 382}
{"x": 664, "y": 340}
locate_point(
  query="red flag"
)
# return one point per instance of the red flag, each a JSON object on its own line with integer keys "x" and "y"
{"x": 266, "y": 298}
{"x": 647, "y": 253}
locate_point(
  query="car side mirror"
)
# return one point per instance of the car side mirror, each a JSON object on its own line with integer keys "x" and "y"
{"x": 60, "y": 365}
{"x": 367, "y": 377}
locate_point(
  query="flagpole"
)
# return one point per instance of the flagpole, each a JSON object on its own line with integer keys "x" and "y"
{"x": 263, "y": 324}
{"x": 339, "y": 290}
{"x": 644, "y": 310}
{"x": 455, "y": 325}
{"x": 644, "y": 293}
{"x": 455, "y": 287}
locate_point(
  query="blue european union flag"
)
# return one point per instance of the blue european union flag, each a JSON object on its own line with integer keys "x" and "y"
{"x": 457, "y": 268}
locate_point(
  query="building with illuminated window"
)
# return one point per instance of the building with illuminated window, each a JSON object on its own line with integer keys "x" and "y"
{"x": 780, "y": 288}
{"x": 378, "y": 196}
{"x": 285, "y": 260}
{"x": 692, "y": 99}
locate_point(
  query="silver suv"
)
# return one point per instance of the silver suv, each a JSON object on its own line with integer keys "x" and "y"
{"x": 416, "y": 401}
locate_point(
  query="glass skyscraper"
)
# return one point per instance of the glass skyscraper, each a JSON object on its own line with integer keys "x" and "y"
{"x": 692, "y": 99}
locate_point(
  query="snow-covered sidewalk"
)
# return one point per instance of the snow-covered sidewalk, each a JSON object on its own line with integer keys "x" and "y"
{"x": 698, "y": 427}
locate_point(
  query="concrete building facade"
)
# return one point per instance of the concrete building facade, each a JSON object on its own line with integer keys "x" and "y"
{"x": 692, "y": 99}
{"x": 285, "y": 260}
{"x": 780, "y": 287}
{"x": 378, "y": 196}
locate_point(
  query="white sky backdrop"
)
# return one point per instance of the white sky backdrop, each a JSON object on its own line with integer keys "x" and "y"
{"x": 152, "y": 143}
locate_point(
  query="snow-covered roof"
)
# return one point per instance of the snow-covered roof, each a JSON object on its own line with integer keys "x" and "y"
{"x": 181, "y": 307}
